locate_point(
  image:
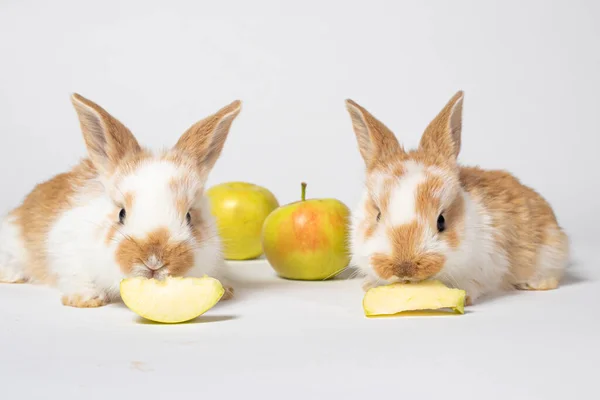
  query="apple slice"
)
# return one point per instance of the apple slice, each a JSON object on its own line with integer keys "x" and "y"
{"x": 401, "y": 297}
{"x": 172, "y": 300}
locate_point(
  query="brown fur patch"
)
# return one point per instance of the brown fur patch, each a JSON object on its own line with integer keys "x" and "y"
{"x": 455, "y": 222}
{"x": 407, "y": 260}
{"x": 380, "y": 205}
{"x": 427, "y": 202}
{"x": 178, "y": 258}
{"x": 180, "y": 187}
{"x": 429, "y": 207}
{"x": 418, "y": 268}
{"x": 198, "y": 226}
{"x": 520, "y": 216}
{"x": 369, "y": 223}
{"x": 405, "y": 240}
{"x": 397, "y": 169}
{"x": 76, "y": 300}
{"x": 128, "y": 200}
{"x": 39, "y": 211}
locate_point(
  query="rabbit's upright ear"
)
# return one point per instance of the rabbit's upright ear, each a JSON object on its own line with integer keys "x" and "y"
{"x": 375, "y": 141}
{"x": 443, "y": 135}
{"x": 107, "y": 140}
{"x": 204, "y": 140}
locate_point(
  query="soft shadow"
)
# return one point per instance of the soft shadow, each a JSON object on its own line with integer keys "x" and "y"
{"x": 572, "y": 278}
{"x": 345, "y": 274}
{"x": 489, "y": 298}
{"x": 348, "y": 273}
{"x": 421, "y": 313}
{"x": 243, "y": 285}
{"x": 203, "y": 319}
{"x": 260, "y": 258}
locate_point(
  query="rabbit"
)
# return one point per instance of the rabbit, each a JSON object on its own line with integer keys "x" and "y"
{"x": 123, "y": 211}
{"x": 423, "y": 216}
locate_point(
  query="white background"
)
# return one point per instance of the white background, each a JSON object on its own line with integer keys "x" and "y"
{"x": 530, "y": 71}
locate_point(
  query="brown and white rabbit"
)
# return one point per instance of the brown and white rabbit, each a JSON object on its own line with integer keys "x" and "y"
{"x": 422, "y": 215}
{"x": 122, "y": 212}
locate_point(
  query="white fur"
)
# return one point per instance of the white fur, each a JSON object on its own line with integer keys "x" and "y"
{"x": 12, "y": 253}
{"x": 154, "y": 201}
{"x": 360, "y": 248}
{"x": 403, "y": 208}
{"x": 478, "y": 265}
{"x": 551, "y": 261}
{"x": 77, "y": 253}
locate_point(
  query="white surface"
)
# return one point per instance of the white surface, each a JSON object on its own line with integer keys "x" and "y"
{"x": 530, "y": 73}
{"x": 306, "y": 340}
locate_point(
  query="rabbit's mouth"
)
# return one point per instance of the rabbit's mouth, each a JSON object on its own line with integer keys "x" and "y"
{"x": 404, "y": 279}
{"x": 418, "y": 268}
{"x": 142, "y": 270}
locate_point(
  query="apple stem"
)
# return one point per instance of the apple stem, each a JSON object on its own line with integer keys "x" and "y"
{"x": 303, "y": 191}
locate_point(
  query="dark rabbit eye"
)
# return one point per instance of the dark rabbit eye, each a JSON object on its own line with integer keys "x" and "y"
{"x": 441, "y": 223}
{"x": 188, "y": 218}
{"x": 122, "y": 215}
{"x": 378, "y": 216}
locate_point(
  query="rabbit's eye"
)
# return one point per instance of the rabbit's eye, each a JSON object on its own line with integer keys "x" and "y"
{"x": 122, "y": 215}
{"x": 378, "y": 216}
{"x": 188, "y": 218}
{"x": 441, "y": 223}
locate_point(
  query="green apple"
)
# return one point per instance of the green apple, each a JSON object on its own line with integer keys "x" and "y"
{"x": 240, "y": 209}
{"x": 307, "y": 240}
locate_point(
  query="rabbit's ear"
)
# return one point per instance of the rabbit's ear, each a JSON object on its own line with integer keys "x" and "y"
{"x": 205, "y": 139}
{"x": 107, "y": 140}
{"x": 375, "y": 141}
{"x": 443, "y": 135}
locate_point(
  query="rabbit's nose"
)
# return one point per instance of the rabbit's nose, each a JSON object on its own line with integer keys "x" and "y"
{"x": 154, "y": 263}
{"x": 405, "y": 270}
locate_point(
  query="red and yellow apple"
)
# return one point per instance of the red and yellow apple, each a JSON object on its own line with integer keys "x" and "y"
{"x": 240, "y": 209}
{"x": 307, "y": 240}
